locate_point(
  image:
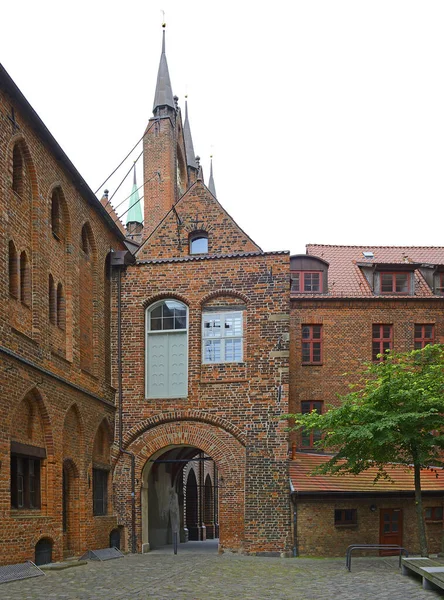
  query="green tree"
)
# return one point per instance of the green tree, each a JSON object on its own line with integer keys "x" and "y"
{"x": 394, "y": 415}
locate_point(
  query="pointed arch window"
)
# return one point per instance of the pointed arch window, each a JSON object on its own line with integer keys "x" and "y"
{"x": 57, "y": 225}
{"x": 198, "y": 242}
{"x": 167, "y": 350}
{"x": 17, "y": 170}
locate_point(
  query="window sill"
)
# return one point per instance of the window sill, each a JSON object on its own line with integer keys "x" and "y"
{"x": 27, "y": 513}
{"x": 346, "y": 525}
{"x": 431, "y": 521}
{"x": 312, "y": 364}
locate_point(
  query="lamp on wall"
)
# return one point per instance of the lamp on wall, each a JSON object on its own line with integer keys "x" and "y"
{"x": 373, "y": 507}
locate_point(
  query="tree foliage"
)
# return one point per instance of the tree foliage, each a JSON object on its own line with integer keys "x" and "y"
{"x": 394, "y": 415}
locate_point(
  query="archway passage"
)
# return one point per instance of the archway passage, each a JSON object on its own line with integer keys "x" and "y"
{"x": 180, "y": 483}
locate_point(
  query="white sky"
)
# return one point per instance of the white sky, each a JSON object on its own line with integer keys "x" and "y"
{"x": 325, "y": 117}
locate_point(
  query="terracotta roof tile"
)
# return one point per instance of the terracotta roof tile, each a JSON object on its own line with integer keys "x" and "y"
{"x": 303, "y": 481}
{"x": 346, "y": 279}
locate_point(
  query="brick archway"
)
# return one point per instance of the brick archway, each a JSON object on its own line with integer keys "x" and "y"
{"x": 228, "y": 454}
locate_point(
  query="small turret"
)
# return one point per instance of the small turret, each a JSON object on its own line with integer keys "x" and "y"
{"x": 164, "y": 92}
{"x": 211, "y": 185}
{"x": 134, "y": 220}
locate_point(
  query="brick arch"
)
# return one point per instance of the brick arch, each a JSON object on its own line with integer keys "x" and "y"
{"x": 86, "y": 227}
{"x": 57, "y": 185}
{"x": 103, "y": 437}
{"x": 222, "y": 292}
{"x": 33, "y": 395}
{"x": 228, "y": 453}
{"x": 165, "y": 296}
{"x": 19, "y": 138}
{"x": 183, "y": 415}
{"x": 73, "y": 441}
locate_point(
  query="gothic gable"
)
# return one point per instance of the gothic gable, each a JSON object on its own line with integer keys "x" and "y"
{"x": 197, "y": 214}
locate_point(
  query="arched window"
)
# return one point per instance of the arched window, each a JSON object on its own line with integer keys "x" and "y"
{"x": 52, "y": 300}
{"x": 86, "y": 246}
{"x": 13, "y": 270}
{"x": 198, "y": 242}
{"x": 17, "y": 170}
{"x": 60, "y": 307}
{"x": 56, "y": 215}
{"x": 167, "y": 350}
{"x": 25, "y": 279}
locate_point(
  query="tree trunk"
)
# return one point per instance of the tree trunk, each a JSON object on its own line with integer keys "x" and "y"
{"x": 419, "y": 511}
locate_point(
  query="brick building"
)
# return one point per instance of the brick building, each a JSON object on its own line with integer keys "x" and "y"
{"x": 143, "y": 370}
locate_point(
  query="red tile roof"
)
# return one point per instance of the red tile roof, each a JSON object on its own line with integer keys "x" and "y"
{"x": 303, "y": 481}
{"x": 345, "y": 278}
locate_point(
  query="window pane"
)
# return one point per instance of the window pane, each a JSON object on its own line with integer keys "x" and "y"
{"x": 157, "y": 312}
{"x": 212, "y": 351}
{"x": 233, "y": 350}
{"x": 428, "y": 513}
{"x": 295, "y": 282}
{"x": 311, "y": 282}
{"x": 375, "y": 331}
{"x": 438, "y": 513}
{"x": 305, "y": 332}
{"x": 233, "y": 325}
{"x": 418, "y": 331}
{"x": 386, "y": 331}
{"x": 212, "y": 326}
{"x": 317, "y": 406}
{"x": 168, "y": 309}
{"x": 156, "y": 324}
{"x": 402, "y": 280}
{"x": 168, "y": 323}
{"x": 316, "y": 332}
{"x": 306, "y": 438}
{"x": 316, "y": 352}
{"x": 428, "y": 331}
{"x": 305, "y": 352}
{"x": 418, "y": 345}
{"x": 180, "y": 322}
{"x": 199, "y": 245}
{"x": 386, "y": 282}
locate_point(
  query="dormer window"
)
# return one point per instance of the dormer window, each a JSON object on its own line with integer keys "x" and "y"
{"x": 306, "y": 281}
{"x": 395, "y": 283}
{"x": 199, "y": 243}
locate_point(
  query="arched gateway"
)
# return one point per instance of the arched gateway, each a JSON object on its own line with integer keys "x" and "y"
{"x": 161, "y": 453}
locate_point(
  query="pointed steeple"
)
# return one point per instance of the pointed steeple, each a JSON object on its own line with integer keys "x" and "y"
{"x": 134, "y": 214}
{"x": 189, "y": 149}
{"x": 211, "y": 185}
{"x": 164, "y": 91}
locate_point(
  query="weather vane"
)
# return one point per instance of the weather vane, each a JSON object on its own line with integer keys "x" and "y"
{"x": 163, "y": 19}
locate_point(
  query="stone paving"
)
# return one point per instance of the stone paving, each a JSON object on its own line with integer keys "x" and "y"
{"x": 198, "y": 575}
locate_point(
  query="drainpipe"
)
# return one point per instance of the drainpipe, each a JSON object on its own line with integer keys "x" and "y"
{"x": 293, "y": 499}
{"x": 120, "y": 260}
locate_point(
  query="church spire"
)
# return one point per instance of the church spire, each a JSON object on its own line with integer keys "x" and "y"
{"x": 189, "y": 148}
{"x": 135, "y": 210}
{"x": 164, "y": 91}
{"x": 211, "y": 185}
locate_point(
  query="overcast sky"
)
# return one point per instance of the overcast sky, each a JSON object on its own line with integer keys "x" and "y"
{"x": 325, "y": 117}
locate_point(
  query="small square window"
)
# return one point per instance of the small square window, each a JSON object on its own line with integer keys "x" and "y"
{"x": 222, "y": 337}
{"x": 310, "y": 436}
{"x": 433, "y": 513}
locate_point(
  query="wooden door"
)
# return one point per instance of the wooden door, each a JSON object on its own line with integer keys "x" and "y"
{"x": 390, "y": 528}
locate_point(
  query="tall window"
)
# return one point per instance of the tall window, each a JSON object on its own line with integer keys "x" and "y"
{"x": 60, "y": 307}
{"x": 17, "y": 170}
{"x": 25, "y": 482}
{"x": 382, "y": 340}
{"x": 310, "y": 436}
{"x": 56, "y": 215}
{"x": 311, "y": 344}
{"x": 100, "y": 492}
{"x": 222, "y": 339}
{"x": 52, "y": 300}
{"x": 306, "y": 281}
{"x": 167, "y": 350}
{"x": 395, "y": 283}
{"x": 424, "y": 334}
{"x": 13, "y": 270}
{"x": 25, "y": 279}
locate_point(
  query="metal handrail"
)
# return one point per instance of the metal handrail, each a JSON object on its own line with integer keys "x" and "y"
{"x": 373, "y": 547}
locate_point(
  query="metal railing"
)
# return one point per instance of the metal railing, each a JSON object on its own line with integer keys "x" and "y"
{"x": 348, "y": 554}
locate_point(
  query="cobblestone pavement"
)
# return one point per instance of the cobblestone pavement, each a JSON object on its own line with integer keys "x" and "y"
{"x": 209, "y": 576}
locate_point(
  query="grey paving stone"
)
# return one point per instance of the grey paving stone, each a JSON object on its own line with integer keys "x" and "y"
{"x": 204, "y": 576}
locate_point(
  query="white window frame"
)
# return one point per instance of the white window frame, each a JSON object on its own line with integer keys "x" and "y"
{"x": 149, "y": 332}
{"x": 222, "y": 314}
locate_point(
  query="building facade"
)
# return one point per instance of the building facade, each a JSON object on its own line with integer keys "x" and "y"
{"x": 144, "y": 371}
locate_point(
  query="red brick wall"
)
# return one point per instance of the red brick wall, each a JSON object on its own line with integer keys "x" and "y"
{"x": 47, "y": 418}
